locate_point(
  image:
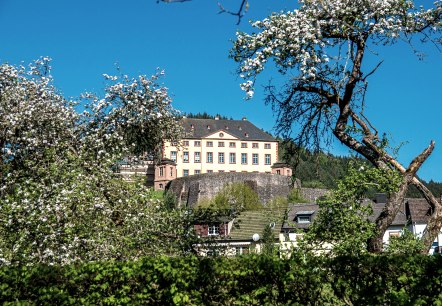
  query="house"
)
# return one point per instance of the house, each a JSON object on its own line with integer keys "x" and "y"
{"x": 419, "y": 212}
{"x": 299, "y": 218}
{"x": 241, "y": 234}
{"x": 400, "y": 222}
{"x": 218, "y": 145}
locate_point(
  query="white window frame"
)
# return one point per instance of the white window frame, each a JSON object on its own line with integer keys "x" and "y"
{"x": 268, "y": 159}
{"x": 303, "y": 219}
{"x": 243, "y": 158}
{"x": 213, "y": 230}
{"x": 232, "y": 158}
{"x": 221, "y": 158}
{"x": 255, "y": 159}
{"x": 197, "y": 157}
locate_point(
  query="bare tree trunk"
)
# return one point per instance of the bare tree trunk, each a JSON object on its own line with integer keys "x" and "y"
{"x": 379, "y": 158}
{"x": 385, "y": 219}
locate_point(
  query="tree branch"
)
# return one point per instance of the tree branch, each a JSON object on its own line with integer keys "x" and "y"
{"x": 240, "y": 13}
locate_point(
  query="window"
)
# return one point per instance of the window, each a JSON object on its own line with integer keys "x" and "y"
{"x": 240, "y": 250}
{"x": 185, "y": 157}
{"x": 221, "y": 171}
{"x": 232, "y": 145}
{"x": 278, "y": 172}
{"x": 221, "y": 158}
{"x": 213, "y": 230}
{"x": 268, "y": 159}
{"x": 267, "y": 146}
{"x": 395, "y": 234}
{"x": 185, "y": 172}
{"x": 244, "y": 158}
{"x": 185, "y": 143}
{"x": 197, "y": 143}
{"x": 255, "y": 158}
{"x": 174, "y": 144}
{"x": 304, "y": 218}
{"x": 232, "y": 158}
{"x": 161, "y": 186}
{"x": 161, "y": 171}
{"x": 243, "y": 144}
{"x": 221, "y": 134}
{"x": 197, "y": 157}
{"x": 221, "y": 144}
{"x": 171, "y": 171}
{"x": 197, "y": 171}
{"x": 209, "y": 157}
{"x": 173, "y": 156}
{"x": 209, "y": 171}
{"x": 210, "y": 144}
{"x": 255, "y": 145}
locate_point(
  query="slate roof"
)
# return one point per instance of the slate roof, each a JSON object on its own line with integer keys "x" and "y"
{"x": 242, "y": 129}
{"x": 312, "y": 209}
{"x": 299, "y": 209}
{"x": 419, "y": 210}
{"x": 400, "y": 219}
{"x": 254, "y": 221}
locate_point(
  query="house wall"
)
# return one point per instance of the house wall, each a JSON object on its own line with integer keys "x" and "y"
{"x": 164, "y": 174}
{"x": 391, "y": 231}
{"x": 203, "y": 230}
{"x": 192, "y": 167}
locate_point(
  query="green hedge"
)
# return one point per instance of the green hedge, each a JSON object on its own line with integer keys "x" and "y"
{"x": 248, "y": 280}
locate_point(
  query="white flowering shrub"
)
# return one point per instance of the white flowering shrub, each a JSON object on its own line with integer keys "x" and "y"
{"x": 60, "y": 201}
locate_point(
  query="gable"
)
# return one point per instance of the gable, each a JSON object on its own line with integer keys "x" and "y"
{"x": 221, "y": 134}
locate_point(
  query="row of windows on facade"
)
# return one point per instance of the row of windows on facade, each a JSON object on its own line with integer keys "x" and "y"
{"x": 197, "y": 171}
{"x": 221, "y": 144}
{"x": 221, "y": 158}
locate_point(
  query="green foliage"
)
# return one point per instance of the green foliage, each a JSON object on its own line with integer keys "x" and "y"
{"x": 406, "y": 243}
{"x": 321, "y": 170}
{"x": 170, "y": 200}
{"x": 295, "y": 196}
{"x": 343, "y": 219}
{"x": 236, "y": 196}
{"x": 244, "y": 280}
{"x": 268, "y": 241}
{"x": 277, "y": 203}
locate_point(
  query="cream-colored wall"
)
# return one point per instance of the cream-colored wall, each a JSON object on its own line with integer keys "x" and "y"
{"x": 203, "y": 166}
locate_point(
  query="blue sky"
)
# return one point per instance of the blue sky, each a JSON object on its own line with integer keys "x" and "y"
{"x": 191, "y": 42}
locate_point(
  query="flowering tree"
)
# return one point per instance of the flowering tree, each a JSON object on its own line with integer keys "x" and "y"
{"x": 60, "y": 201}
{"x": 322, "y": 46}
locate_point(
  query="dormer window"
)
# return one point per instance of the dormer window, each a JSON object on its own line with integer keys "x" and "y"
{"x": 304, "y": 217}
{"x": 208, "y": 127}
{"x": 239, "y": 128}
{"x": 246, "y": 134}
